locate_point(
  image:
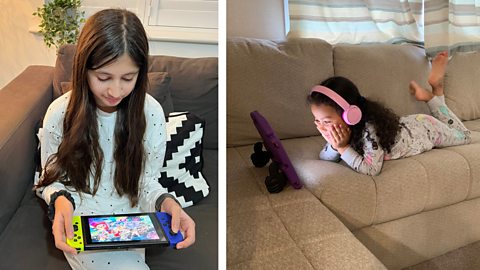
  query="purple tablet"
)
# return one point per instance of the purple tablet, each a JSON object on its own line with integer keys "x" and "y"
{"x": 274, "y": 146}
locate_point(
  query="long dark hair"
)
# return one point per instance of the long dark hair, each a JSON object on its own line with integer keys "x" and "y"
{"x": 106, "y": 36}
{"x": 384, "y": 120}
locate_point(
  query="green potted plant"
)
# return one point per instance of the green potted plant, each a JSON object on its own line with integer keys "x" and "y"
{"x": 60, "y": 21}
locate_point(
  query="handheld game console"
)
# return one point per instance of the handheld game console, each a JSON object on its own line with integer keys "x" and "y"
{"x": 123, "y": 231}
{"x": 275, "y": 147}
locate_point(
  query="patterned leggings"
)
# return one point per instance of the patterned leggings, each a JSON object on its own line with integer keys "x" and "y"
{"x": 449, "y": 130}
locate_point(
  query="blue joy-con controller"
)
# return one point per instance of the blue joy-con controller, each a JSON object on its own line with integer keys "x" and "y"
{"x": 166, "y": 223}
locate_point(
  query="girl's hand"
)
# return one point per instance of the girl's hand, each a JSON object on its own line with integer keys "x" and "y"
{"x": 340, "y": 137}
{"x": 62, "y": 224}
{"x": 180, "y": 221}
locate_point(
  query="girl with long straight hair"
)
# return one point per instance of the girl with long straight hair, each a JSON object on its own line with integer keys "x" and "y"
{"x": 103, "y": 143}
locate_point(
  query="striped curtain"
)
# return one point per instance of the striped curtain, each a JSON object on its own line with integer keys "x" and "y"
{"x": 436, "y": 24}
{"x": 452, "y": 25}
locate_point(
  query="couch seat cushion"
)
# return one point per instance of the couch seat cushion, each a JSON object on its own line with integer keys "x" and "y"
{"x": 403, "y": 188}
{"x": 473, "y": 125}
{"x": 269, "y": 231}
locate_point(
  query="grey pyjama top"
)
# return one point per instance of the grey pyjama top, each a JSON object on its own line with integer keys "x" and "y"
{"x": 418, "y": 133}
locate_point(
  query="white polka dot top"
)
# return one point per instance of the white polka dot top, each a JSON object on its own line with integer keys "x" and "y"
{"x": 106, "y": 200}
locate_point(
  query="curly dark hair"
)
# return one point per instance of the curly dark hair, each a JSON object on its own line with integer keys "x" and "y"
{"x": 384, "y": 120}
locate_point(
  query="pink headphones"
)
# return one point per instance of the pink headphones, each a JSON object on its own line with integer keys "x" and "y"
{"x": 351, "y": 113}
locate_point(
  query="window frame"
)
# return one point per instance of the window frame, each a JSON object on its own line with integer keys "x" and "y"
{"x": 160, "y": 33}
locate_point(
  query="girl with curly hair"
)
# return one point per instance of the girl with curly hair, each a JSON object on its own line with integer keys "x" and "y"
{"x": 379, "y": 134}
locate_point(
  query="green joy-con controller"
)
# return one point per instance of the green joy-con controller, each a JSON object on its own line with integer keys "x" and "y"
{"x": 77, "y": 241}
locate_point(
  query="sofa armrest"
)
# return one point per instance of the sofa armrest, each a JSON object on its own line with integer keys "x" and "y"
{"x": 23, "y": 103}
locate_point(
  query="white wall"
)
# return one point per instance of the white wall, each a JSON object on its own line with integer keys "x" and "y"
{"x": 256, "y": 19}
{"x": 20, "y": 48}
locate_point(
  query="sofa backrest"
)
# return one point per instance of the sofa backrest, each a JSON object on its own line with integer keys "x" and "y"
{"x": 382, "y": 72}
{"x": 462, "y": 85}
{"x": 193, "y": 85}
{"x": 276, "y": 77}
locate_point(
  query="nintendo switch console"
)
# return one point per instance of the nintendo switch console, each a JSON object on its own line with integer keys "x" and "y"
{"x": 123, "y": 231}
{"x": 275, "y": 147}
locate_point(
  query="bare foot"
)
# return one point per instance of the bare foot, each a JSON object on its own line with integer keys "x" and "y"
{"x": 420, "y": 93}
{"x": 435, "y": 79}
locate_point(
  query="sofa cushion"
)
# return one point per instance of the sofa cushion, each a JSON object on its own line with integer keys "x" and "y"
{"x": 473, "y": 125}
{"x": 22, "y": 103}
{"x": 274, "y": 79}
{"x": 403, "y": 188}
{"x": 159, "y": 88}
{"x": 411, "y": 240}
{"x": 379, "y": 75}
{"x": 63, "y": 68}
{"x": 269, "y": 231}
{"x": 194, "y": 88}
{"x": 461, "y": 85}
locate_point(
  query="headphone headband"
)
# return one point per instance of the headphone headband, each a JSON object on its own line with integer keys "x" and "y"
{"x": 331, "y": 94}
{"x": 351, "y": 113}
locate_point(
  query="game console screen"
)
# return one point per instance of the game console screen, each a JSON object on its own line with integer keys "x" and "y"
{"x": 122, "y": 228}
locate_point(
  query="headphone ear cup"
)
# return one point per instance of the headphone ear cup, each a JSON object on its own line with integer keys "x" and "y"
{"x": 352, "y": 115}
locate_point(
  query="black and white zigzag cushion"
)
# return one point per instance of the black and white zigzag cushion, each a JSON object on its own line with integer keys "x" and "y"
{"x": 182, "y": 169}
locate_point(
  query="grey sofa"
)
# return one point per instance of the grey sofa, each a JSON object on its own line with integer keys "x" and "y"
{"x": 26, "y": 241}
{"x": 419, "y": 209}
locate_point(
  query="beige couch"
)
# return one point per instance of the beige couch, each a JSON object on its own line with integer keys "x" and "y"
{"x": 417, "y": 209}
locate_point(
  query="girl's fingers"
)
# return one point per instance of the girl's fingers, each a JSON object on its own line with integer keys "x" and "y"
{"x": 340, "y": 131}
{"x": 334, "y": 136}
{"x": 59, "y": 236}
{"x": 188, "y": 226}
{"x": 337, "y": 132}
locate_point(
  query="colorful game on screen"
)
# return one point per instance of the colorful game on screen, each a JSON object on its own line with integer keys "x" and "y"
{"x": 122, "y": 228}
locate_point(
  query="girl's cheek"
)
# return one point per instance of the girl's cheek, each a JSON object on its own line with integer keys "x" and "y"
{"x": 326, "y": 134}
{"x": 323, "y": 130}
{"x": 328, "y": 129}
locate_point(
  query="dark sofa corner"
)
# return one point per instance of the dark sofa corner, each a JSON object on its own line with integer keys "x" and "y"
{"x": 26, "y": 241}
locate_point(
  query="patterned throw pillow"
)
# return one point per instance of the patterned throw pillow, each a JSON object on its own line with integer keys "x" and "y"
{"x": 182, "y": 169}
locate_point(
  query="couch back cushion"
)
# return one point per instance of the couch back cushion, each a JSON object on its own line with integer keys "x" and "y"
{"x": 462, "y": 82}
{"x": 193, "y": 85}
{"x": 194, "y": 88}
{"x": 383, "y": 72}
{"x": 273, "y": 78}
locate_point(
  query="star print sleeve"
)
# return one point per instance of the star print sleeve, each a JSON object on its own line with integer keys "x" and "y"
{"x": 372, "y": 160}
{"x": 50, "y": 137}
{"x": 330, "y": 154}
{"x": 155, "y": 146}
